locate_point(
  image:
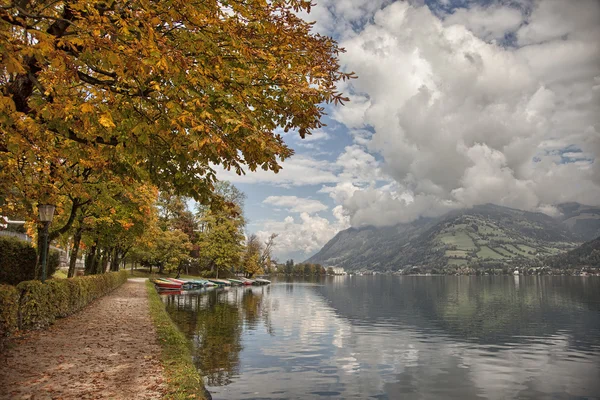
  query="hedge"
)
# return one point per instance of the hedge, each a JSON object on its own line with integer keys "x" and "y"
{"x": 18, "y": 259}
{"x": 34, "y": 305}
{"x": 9, "y": 309}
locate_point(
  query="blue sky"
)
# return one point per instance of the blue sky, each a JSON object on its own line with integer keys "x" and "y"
{"x": 457, "y": 103}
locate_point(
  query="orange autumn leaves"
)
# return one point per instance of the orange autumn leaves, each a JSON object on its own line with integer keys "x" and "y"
{"x": 98, "y": 95}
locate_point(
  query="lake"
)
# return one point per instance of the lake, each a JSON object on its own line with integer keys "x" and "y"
{"x": 397, "y": 337}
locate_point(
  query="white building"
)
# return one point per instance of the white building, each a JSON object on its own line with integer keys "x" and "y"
{"x": 338, "y": 271}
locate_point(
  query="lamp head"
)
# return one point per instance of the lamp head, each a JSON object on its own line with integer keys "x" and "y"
{"x": 46, "y": 212}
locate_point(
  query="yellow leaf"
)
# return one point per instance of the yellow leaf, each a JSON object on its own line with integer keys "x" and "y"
{"x": 88, "y": 108}
{"x": 13, "y": 66}
{"x": 107, "y": 121}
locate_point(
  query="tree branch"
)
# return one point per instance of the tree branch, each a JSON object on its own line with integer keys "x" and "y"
{"x": 76, "y": 204}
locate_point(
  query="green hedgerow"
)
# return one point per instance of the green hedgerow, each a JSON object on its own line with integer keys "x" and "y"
{"x": 39, "y": 304}
{"x": 9, "y": 310}
{"x": 18, "y": 259}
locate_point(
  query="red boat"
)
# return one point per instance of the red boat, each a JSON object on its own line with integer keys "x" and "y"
{"x": 176, "y": 280}
{"x": 164, "y": 284}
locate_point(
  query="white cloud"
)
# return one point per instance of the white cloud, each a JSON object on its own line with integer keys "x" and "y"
{"x": 298, "y": 170}
{"x": 341, "y": 192}
{"x": 491, "y": 23}
{"x": 354, "y": 164}
{"x": 313, "y": 141}
{"x": 306, "y": 235}
{"x": 445, "y": 117}
{"x": 460, "y": 121}
{"x": 554, "y": 19}
{"x": 316, "y": 135}
{"x": 342, "y": 16}
{"x": 296, "y": 204}
{"x": 358, "y": 165}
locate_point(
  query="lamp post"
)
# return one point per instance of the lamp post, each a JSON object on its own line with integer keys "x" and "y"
{"x": 46, "y": 214}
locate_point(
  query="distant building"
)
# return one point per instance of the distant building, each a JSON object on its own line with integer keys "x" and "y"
{"x": 338, "y": 271}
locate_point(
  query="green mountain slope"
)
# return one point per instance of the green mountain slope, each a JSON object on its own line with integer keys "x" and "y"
{"x": 483, "y": 235}
{"x": 586, "y": 255}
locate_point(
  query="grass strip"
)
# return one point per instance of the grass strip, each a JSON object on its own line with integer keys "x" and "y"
{"x": 183, "y": 379}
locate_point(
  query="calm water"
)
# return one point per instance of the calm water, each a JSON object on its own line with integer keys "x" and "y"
{"x": 391, "y": 337}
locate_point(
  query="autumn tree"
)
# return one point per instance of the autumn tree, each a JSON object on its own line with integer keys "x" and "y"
{"x": 221, "y": 237}
{"x": 252, "y": 257}
{"x": 158, "y": 92}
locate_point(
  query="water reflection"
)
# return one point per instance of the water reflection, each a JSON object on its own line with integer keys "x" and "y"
{"x": 398, "y": 337}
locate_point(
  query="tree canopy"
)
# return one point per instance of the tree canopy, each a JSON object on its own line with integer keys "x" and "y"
{"x": 105, "y": 104}
{"x": 157, "y": 92}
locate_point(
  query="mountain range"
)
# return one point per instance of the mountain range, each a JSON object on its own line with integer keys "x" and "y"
{"x": 483, "y": 235}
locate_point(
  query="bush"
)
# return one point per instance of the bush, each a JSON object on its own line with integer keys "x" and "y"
{"x": 39, "y": 304}
{"x": 9, "y": 310}
{"x": 17, "y": 260}
{"x": 53, "y": 263}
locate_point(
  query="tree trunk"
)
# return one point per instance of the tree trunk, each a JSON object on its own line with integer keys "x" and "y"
{"x": 74, "y": 252}
{"x": 104, "y": 263}
{"x": 90, "y": 260}
{"x": 115, "y": 259}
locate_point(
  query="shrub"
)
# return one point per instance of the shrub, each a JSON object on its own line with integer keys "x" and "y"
{"x": 53, "y": 263}
{"x": 39, "y": 304}
{"x": 35, "y": 305}
{"x": 9, "y": 309}
{"x": 17, "y": 260}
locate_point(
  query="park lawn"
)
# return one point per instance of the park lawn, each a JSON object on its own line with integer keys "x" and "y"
{"x": 60, "y": 274}
{"x": 486, "y": 252}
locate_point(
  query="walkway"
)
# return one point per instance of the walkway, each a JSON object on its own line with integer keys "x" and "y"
{"x": 106, "y": 351}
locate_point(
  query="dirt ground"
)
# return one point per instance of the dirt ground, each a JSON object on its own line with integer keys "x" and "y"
{"x": 108, "y": 350}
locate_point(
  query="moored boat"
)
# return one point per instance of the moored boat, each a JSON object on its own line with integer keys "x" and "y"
{"x": 235, "y": 282}
{"x": 260, "y": 281}
{"x": 220, "y": 282}
{"x": 247, "y": 281}
{"x": 201, "y": 282}
{"x": 165, "y": 284}
{"x": 186, "y": 283}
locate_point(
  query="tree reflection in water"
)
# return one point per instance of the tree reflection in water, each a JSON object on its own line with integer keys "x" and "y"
{"x": 215, "y": 320}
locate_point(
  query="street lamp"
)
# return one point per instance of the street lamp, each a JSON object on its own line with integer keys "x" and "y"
{"x": 46, "y": 214}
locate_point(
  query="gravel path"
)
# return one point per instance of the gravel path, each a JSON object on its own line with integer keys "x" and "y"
{"x": 106, "y": 351}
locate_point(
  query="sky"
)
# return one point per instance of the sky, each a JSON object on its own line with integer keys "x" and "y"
{"x": 457, "y": 103}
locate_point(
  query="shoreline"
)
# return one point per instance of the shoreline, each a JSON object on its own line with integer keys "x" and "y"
{"x": 182, "y": 378}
